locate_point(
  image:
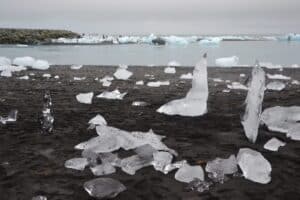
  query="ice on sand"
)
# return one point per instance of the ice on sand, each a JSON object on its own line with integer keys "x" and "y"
{"x": 98, "y": 120}
{"x": 5, "y": 61}
{"x": 227, "y": 61}
{"x": 79, "y": 78}
{"x": 139, "y": 103}
{"x": 40, "y": 65}
{"x": 12, "y": 117}
{"x": 186, "y": 76}
{"x": 283, "y": 119}
{"x": 47, "y": 75}
{"x": 77, "y": 163}
{"x": 188, "y": 173}
{"x": 24, "y": 61}
{"x": 170, "y": 70}
{"x": 213, "y": 41}
{"x": 24, "y": 77}
{"x": 122, "y": 73}
{"x": 220, "y": 167}
{"x": 254, "y": 99}
{"x": 237, "y": 86}
{"x": 76, "y": 67}
{"x": 173, "y": 166}
{"x": 116, "y": 94}
{"x": 85, "y": 98}
{"x": 158, "y": 83}
{"x": 278, "y": 76}
{"x": 133, "y": 163}
{"x": 103, "y": 188}
{"x": 274, "y": 144}
{"x": 161, "y": 160}
{"x": 276, "y": 85}
{"x": 106, "y": 81}
{"x": 254, "y": 166}
{"x": 103, "y": 169}
{"x": 139, "y": 83}
{"x": 40, "y": 197}
{"x": 195, "y": 102}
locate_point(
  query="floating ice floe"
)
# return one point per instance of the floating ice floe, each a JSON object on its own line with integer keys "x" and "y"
{"x": 79, "y": 78}
{"x": 237, "y": 86}
{"x": 158, "y": 83}
{"x": 5, "y": 61}
{"x": 276, "y": 85}
{"x": 173, "y": 64}
{"x": 254, "y": 99}
{"x": 12, "y": 117}
{"x": 186, "y": 76}
{"x": 219, "y": 167}
{"x": 47, "y": 75}
{"x": 24, "y": 77}
{"x": 76, "y": 67}
{"x": 116, "y": 94}
{"x": 254, "y": 166}
{"x": 77, "y": 163}
{"x": 274, "y": 144}
{"x": 40, "y": 197}
{"x": 139, "y": 103}
{"x": 213, "y": 41}
{"x": 122, "y": 73}
{"x": 284, "y": 120}
{"x": 40, "y": 65}
{"x": 278, "y": 76}
{"x": 98, "y": 120}
{"x": 269, "y": 65}
{"x": 24, "y": 61}
{"x": 139, "y": 83}
{"x": 188, "y": 173}
{"x": 85, "y": 98}
{"x": 195, "y": 102}
{"x": 226, "y": 91}
{"x": 170, "y": 70}
{"x": 227, "y": 61}
{"x": 104, "y": 188}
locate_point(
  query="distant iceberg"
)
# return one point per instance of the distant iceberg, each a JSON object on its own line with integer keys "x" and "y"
{"x": 227, "y": 61}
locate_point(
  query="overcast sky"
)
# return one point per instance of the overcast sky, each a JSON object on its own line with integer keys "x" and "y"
{"x": 155, "y": 16}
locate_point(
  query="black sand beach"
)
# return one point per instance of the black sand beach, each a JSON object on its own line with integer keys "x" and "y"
{"x": 33, "y": 164}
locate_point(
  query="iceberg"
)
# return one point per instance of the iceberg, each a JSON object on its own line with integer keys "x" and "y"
{"x": 186, "y": 76}
{"x": 5, "y": 61}
{"x": 12, "y": 117}
{"x": 188, "y": 173}
{"x": 76, "y": 67}
{"x": 295, "y": 82}
{"x": 85, "y": 98}
{"x": 170, "y": 70}
{"x": 227, "y": 61}
{"x": 157, "y": 83}
{"x": 278, "y": 76}
{"x": 24, "y": 61}
{"x": 122, "y": 73}
{"x": 274, "y": 144}
{"x": 195, "y": 102}
{"x": 139, "y": 103}
{"x": 40, "y": 65}
{"x": 237, "y": 86}
{"x": 254, "y": 166}
{"x": 116, "y": 94}
{"x": 77, "y": 163}
{"x": 276, "y": 85}
{"x": 104, "y": 188}
{"x": 176, "y": 40}
{"x": 254, "y": 99}
{"x": 213, "y": 41}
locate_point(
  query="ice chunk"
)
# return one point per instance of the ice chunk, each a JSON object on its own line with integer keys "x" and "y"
{"x": 5, "y": 61}
{"x": 195, "y": 102}
{"x": 158, "y": 83}
{"x": 76, "y": 67}
{"x": 199, "y": 185}
{"x": 6, "y": 73}
{"x": 173, "y": 166}
{"x": 237, "y": 86}
{"x": 274, "y": 144}
{"x": 112, "y": 95}
{"x": 103, "y": 169}
{"x": 220, "y": 167}
{"x": 24, "y": 77}
{"x": 24, "y": 61}
{"x": 218, "y": 80}
{"x": 85, "y": 98}
{"x": 139, "y": 103}
{"x": 173, "y": 64}
{"x": 170, "y": 70}
{"x": 106, "y": 81}
{"x": 186, "y": 76}
{"x": 40, "y": 197}
{"x": 122, "y": 73}
{"x": 295, "y": 82}
{"x": 278, "y": 76}
{"x": 91, "y": 157}
{"x": 40, "y": 64}
{"x": 226, "y": 91}
{"x": 254, "y": 99}
{"x": 12, "y": 117}
{"x": 110, "y": 158}
{"x": 47, "y": 75}
{"x": 227, "y": 61}
{"x": 133, "y": 163}
{"x": 98, "y": 120}
{"x": 77, "y": 163}
{"x": 79, "y": 78}
{"x": 294, "y": 132}
{"x": 188, "y": 173}
{"x": 56, "y": 77}
{"x": 269, "y": 65}
{"x": 161, "y": 160}
{"x": 242, "y": 75}
{"x": 254, "y": 166}
{"x": 103, "y": 188}
{"x": 139, "y": 83}
{"x": 276, "y": 85}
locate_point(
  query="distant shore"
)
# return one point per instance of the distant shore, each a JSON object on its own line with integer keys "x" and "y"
{"x": 33, "y": 36}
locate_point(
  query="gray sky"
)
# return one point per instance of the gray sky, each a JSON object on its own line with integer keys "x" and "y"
{"x": 155, "y": 16}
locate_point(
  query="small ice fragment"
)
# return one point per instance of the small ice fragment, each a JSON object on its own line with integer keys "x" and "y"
{"x": 186, "y": 76}
{"x": 254, "y": 99}
{"x": 199, "y": 185}
{"x": 103, "y": 169}
{"x": 40, "y": 197}
{"x": 218, "y": 80}
{"x": 56, "y": 77}
{"x": 79, "y": 78}
{"x": 24, "y": 77}
{"x": 170, "y": 70}
{"x": 122, "y": 73}
{"x": 77, "y": 163}
{"x": 47, "y": 75}
{"x": 112, "y": 95}
{"x": 188, "y": 173}
{"x": 278, "y": 76}
{"x": 139, "y": 103}
{"x": 139, "y": 83}
{"x": 102, "y": 188}
{"x": 76, "y": 67}
{"x": 237, "y": 86}
{"x": 173, "y": 64}
{"x": 24, "y": 61}
{"x": 85, "y": 98}
{"x": 226, "y": 91}
{"x": 5, "y": 61}
{"x": 173, "y": 166}
{"x": 274, "y": 144}
{"x": 12, "y": 117}
{"x": 254, "y": 166}
{"x": 227, "y": 61}
{"x": 242, "y": 75}
{"x": 220, "y": 167}
{"x": 133, "y": 163}
{"x": 41, "y": 65}
{"x": 276, "y": 85}
{"x": 157, "y": 83}
{"x": 98, "y": 120}
{"x": 161, "y": 160}
{"x": 294, "y": 132}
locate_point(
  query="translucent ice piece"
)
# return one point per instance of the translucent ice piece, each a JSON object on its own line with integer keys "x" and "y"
{"x": 274, "y": 144}
{"x": 188, "y": 173}
{"x": 77, "y": 163}
{"x": 85, "y": 98}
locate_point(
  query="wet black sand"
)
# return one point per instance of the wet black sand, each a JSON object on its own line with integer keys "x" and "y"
{"x": 32, "y": 164}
